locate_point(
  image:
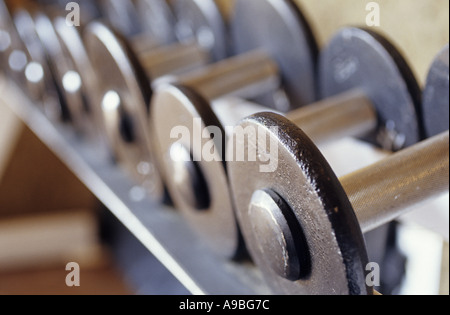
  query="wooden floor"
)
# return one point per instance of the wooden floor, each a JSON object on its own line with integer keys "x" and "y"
{"x": 104, "y": 281}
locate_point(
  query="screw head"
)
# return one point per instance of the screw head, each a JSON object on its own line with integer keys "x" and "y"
{"x": 279, "y": 239}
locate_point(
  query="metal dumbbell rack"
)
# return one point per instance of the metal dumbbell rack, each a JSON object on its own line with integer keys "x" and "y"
{"x": 160, "y": 228}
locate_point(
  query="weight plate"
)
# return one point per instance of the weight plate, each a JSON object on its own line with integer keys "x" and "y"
{"x": 436, "y": 96}
{"x": 208, "y": 211}
{"x": 67, "y": 79}
{"x": 157, "y": 19}
{"x": 317, "y": 205}
{"x": 122, "y": 15}
{"x": 279, "y": 28}
{"x": 80, "y": 80}
{"x": 39, "y": 79}
{"x": 12, "y": 56}
{"x": 361, "y": 59}
{"x": 201, "y": 21}
{"x": 125, "y": 93}
{"x": 5, "y": 35}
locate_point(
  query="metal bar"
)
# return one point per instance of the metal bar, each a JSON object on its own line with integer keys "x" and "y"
{"x": 160, "y": 229}
{"x": 176, "y": 58}
{"x": 246, "y": 76}
{"x": 382, "y": 192}
{"x": 348, "y": 115}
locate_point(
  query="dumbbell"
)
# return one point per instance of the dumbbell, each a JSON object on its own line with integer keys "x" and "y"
{"x": 128, "y": 70}
{"x": 5, "y": 35}
{"x": 13, "y": 59}
{"x": 79, "y": 81}
{"x": 382, "y": 100}
{"x": 67, "y": 74}
{"x": 39, "y": 71}
{"x": 261, "y": 31}
{"x": 304, "y": 227}
{"x": 436, "y": 98}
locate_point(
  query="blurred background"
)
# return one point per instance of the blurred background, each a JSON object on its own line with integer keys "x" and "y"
{"x": 38, "y": 194}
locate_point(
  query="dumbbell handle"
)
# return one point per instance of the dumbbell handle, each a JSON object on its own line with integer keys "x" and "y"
{"x": 247, "y": 75}
{"x": 347, "y": 115}
{"x": 382, "y": 192}
{"x": 175, "y": 58}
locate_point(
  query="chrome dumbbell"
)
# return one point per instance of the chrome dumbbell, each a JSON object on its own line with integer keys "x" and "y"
{"x": 128, "y": 70}
{"x": 6, "y": 40}
{"x": 13, "y": 55}
{"x": 200, "y": 190}
{"x": 67, "y": 71}
{"x": 304, "y": 227}
{"x": 78, "y": 78}
{"x": 380, "y": 104}
{"x": 55, "y": 68}
{"x": 39, "y": 71}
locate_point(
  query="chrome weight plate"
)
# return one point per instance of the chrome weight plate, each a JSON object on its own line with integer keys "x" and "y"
{"x": 125, "y": 93}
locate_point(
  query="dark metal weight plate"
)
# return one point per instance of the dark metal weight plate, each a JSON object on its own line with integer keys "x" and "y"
{"x": 201, "y": 21}
{"x": 436, "y": 96}
{"x": 361, "y": 59}
{"x": 279, "y": 28}
{"x": 316, "y": 202}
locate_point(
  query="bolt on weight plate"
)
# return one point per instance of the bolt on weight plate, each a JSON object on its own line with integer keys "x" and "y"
{"x": 436, "y": 96}
{"x": 191, "y": 100}
{"x": 300, "y": 221}
{"x": 361, "y": 59}
{"x": 336, "y": 261}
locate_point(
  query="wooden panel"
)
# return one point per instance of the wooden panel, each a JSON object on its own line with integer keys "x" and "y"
{"x": 36, "y": 180}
